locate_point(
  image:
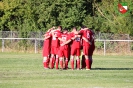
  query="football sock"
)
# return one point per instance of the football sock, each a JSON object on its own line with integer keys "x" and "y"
{"x": 46, "y": 65}
{"x": 78, "y": 64}
{"x": 83, "y": 62}
{"x": 53, "y": 62}
{"x": 66, "y": 63}
{"x": 48, "y": 61}
{"x": 90, "y": 61}
{"x": 61, "y": 64}
{"x": 72, "y": 64}
{"x": 87, "y": 63}
{"x": 57, "y": 61}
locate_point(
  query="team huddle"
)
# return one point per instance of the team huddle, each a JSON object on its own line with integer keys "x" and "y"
{"x": 61, "y": 47}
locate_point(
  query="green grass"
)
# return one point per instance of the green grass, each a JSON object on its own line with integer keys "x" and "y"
{"x": 19, "y": 70}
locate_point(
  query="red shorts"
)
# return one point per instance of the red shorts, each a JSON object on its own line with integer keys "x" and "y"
{"x": 54, "y": 50}
{"x": 75, "y": 51}
{"x": 63, "y": 52}
{"x": 86, "y": 50}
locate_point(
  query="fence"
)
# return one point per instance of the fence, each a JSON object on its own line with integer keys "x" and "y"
{"x": 103, "y": 47}
{"x": 99, "y": 35}
{"x": 115, "y": 47}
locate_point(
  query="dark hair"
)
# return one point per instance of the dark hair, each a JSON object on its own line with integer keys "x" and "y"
{"x": 65, "y": 29}
{"x": 83, "y": 26}
{"x": 60, "y": 27}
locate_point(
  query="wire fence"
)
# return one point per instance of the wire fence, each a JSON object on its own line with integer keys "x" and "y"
{"x": 99, "y": 35}
{"x": 105, "y": 43}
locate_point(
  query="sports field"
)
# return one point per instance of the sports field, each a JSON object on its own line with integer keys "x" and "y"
{"x": 19, "y": 70}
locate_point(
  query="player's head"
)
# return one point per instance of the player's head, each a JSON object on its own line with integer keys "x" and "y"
{"x": 74, "y": 29}
{"x": 50, "y": 29}
{"x": 84, "y": 27}
{"x": 59, "y": 28}
{"x": 65, "y": 30}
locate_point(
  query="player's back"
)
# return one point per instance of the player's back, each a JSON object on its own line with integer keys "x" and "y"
{"x": 88, "y": 35}
{"x": 77, "y": 41}
{"x": 55, "y": 41}
{"x": 48, "y": 40}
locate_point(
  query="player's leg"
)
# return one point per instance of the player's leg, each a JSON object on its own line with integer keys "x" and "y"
{"x": 78, "y": 62}
{"x": 87, "y": 61}
{"x": 83, "y": 61}
{"x": 51, "y": 61}
{"x": 78, "y": 58}
{"x": 61, "y": 62}
{"x": 65, "y": 53}
{"x": 61, "y": 58}
{"x": 72, "y": 62}
{"x": 46, "y": 52}
{"x": 66, "y": 63}
{"x": 44, "y": 62}
{"x": 57, "y": 51}
{"x": 72, "y": 57}
{"x": 86, "y": 52}
{"x": 48, "y": 60}
{"x": 57, "y": 61}
{"x": 90, "y": 56}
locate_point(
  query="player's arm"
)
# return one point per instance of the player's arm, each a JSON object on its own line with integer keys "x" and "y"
{"x": 73, "y": 38}
{"x": 76, "y": 36}
{"x": 79, "y": 36}
{"x": 61, "y": 39}
{"x": 52, "y": 32}
{"x": 46, "y": 37}
{"x": 85, "y": 39}
{"x": 68, "y": 41}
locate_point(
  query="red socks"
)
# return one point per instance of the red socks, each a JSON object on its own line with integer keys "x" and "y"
{"x": 61, "y": 64}
{"x": 57, "y": 61}
{"x": 66, "y": 63}
{"x": 45, "y": 63}
{"x": 83, "y": 62}
{"x": 52, "y": 61}
{"x": 88, "y": 63}
{"x": 78, "y": 64}
{"x": 72, "y": 64}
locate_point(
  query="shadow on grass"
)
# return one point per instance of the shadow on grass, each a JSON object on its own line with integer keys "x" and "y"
{"x": 112, "y": 68}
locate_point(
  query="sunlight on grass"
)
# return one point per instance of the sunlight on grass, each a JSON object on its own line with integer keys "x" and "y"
{"x": 26, "y": 71}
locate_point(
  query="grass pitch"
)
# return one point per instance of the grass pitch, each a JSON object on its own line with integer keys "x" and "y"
{"x": 19, "y": 70}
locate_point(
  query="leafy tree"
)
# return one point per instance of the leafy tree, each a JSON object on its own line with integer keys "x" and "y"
{"x": 40, "y": 15}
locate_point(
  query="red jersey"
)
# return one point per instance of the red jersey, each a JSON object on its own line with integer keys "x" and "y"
{"x": 47, "y": 41}
{"x": 88, "y": 35}
{"x": 64, "y": 37}
{"x": 76, "y": 42}
{"x": 55, "y": 41}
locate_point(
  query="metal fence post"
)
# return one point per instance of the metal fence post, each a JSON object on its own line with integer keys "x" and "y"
{"x": 35, "y": 45}
{"x": 104, "y": 47}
